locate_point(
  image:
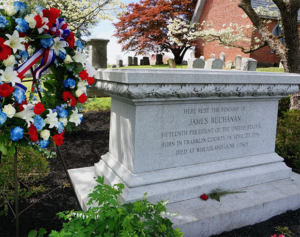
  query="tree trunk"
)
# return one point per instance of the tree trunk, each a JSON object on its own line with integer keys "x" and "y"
{"x": 177, "y": 57}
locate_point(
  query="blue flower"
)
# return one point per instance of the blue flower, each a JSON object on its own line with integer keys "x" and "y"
{"x": 69, "y": 83}
{"x": 24, "y": 54}
{"x": 3, "y": 22}
{"x": 16, "y": 134}
{"x": 19, "y": 95}
{"x": 22, "y": 25}
{"x": 60, "y": 127}
{"x": 3, "y": 117}
{"x": 62, "y": 55}
{"x": 79, "y": 44}
{"x": 34, "y": 98}
{"x": 47, "y": 42}
{"x": 43, "y": 143}
{"x": 39, "y": 122}
{"x": 19, "y": 6}
{"x": 63, "y": 113}
{"x": 39, "y": 9}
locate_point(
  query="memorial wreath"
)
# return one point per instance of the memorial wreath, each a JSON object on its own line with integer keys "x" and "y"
{"x": 41, "y": 37}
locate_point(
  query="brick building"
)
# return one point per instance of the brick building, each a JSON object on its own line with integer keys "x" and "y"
{"x": 222, "y": 12}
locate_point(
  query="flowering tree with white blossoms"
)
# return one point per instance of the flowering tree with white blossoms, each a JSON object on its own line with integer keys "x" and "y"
{"x": 286, "y": 12}
{"x": 183, "y": 36}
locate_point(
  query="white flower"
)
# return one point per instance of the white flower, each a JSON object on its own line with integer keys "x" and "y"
{"x": 52, "y": 119}
{"x": 10, "y": 10}
{"x": 9, "y": 110}
{"x": 44, "y": 26}
{"x": 26, "y": 114}
{"x": 81, "y": 85}
{"x": 64, "y": 121}
{"x": 31, "y": 21}
{"x": 68, "y": 59}
{"x": 45, "y": 134}
{"x": 78, "y": 92}
{"x": 59, "y": 46}
{"x": 15, "y": 42}
{"x": 80, "y": 57}
{"x": 10, "y": 61}
{"x": 75, "y": 117}
{"x": 9, "y": 75}
{"x": 30, "y": 50}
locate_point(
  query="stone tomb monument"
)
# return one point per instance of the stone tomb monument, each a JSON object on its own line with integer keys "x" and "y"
{"x": 249, "y": 64}
{"x": 177, "y": 134}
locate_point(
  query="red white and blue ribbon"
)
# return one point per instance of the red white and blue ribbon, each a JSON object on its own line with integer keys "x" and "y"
{"x": 21, "y": 87}
{"x": 60, "y": 29}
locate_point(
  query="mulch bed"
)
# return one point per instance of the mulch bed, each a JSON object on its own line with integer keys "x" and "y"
{"x": 84, "y": 148}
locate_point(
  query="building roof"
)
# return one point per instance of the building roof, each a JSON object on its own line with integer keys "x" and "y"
{"x": 255, "y": 4}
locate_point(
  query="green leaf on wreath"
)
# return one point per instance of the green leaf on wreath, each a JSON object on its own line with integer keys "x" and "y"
{"x": 78, "y": 70}
{"x": 3, "y": 148}
{"x": 42, "y": 231}
{"x": 41, "y": 36}
{"x": 32, "y": 233}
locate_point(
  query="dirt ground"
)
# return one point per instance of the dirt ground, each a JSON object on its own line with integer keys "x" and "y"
{"x": 82, "y": 149}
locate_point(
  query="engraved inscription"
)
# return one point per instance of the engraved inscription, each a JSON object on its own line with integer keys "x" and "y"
{"x": 208, "y": 132}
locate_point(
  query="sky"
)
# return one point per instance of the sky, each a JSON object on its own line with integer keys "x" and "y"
{"x": 105, "y": 30}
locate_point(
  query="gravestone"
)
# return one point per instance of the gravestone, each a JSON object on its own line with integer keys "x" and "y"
{"x": 113, "y": 66}
{"x": 213, "y": 56}
{"x": 146, "y": 61}
{"x": 129, "y": 61}
{"x": 180, "y": 134}
{"x": 229, "y": 64}
{"x": 192, "y": 55}
{"x": 120, "y": 63}
{"x": 209, "y": 62}
{"x": 141, "y": 62}
{"x": 249, "y": 64}
{"x": 238, "y": 62}
{"x": 196, "y": 63}
{"x": 184, "y": 62}
{"x": 159, "y": 59}
{"x": 280, "y": 65}
{"x": 202, "y": 57}
{"x": 97, "y": 52}
{"x": 223, "y": 57}
{"x": 135, "y": 61}
{"x": 98, "y": 59}
{"x": 171, "y": 63}
{"x": 217, "y": 64}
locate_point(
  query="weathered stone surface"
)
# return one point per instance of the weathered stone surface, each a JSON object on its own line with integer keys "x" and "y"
{"x": 222, "y": 56}
{"x": 184, "y": 62}
{"x": 202, "y": 57}
{"x": 171, "y": 63}
{"x": 249, "y": 64}
{"x": 196, "y": 63}
{"x": 213, "y": 56}
{"x": 120, "y": 63}
{"x": 229, "y": 64}
{"x": 146, "y": 61}
{"x": 141, "y": 62}
{"x": 159, "y": 59}
{"x": 217, "y": 64}
{"x": 129, "y": 61}
{"x": 98, "y": 52}
{"x": 238, "y": 62}
{"x": 135, "y": 61}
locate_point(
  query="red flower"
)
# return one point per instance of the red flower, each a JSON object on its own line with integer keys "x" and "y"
{"x": 52, "y": 15}
{"x": 204, "y": 197}
{"x": 83, "y": 75}
{"x": 90, "y": 80}
{"x": 5, "y": 51}
{"x": 6, "y": 90}
{"x": 58, "y": 139}
{"x": 39, "y": 21}
{"x": 32, "y": 132}
{"x": 73, "y": 101}
{"x": 67, "y": 95}
{"x": 39, "y": 108}
{"x": 21, "y": 108}
{"x": 82, "y": 98}
{"x": 71, "y": 40}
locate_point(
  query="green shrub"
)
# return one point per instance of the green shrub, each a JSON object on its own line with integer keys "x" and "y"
{"x": 32, "y": 166}
{"x": 110, "y": 218}
{"x": 283, "y": 106}
{"x": 288, "y": 136}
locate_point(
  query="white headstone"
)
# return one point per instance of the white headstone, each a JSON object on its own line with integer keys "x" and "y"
{"x": 202, "y": 57}
{"x": 229, "y": 64}
{"x": 208, "y": 64}
{"x": 223, "y": 57}
{"x": 212, "y": 56}
{"x": 238, "y": 62}
{"x": 249, "y": 64}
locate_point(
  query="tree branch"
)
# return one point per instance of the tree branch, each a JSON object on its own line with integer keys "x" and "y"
{"x": 280, "y": 4}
